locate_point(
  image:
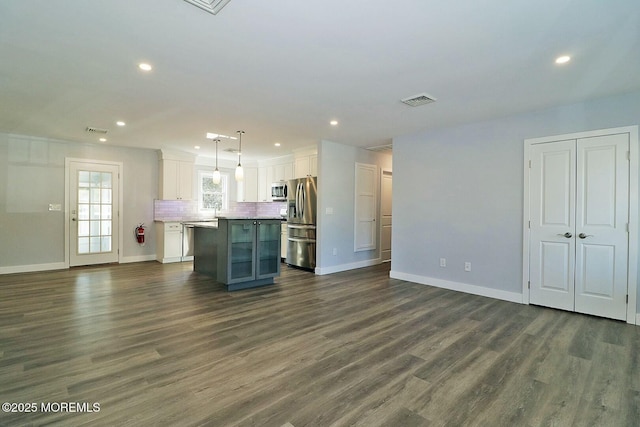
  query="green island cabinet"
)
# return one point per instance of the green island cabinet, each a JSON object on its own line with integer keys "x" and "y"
{"x": 241, "y": 253}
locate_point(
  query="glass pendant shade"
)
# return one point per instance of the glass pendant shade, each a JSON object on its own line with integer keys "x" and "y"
{"x": 239, "y": 173}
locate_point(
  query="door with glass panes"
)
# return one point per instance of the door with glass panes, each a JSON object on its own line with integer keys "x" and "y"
{"x": 93, "y": 213}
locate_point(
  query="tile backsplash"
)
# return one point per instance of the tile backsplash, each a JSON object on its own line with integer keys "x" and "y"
{"x": 187, "y": 210}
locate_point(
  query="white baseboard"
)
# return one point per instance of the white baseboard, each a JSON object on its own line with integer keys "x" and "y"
{"x": 456, "y": 286}
{"x": 137, "y": 258}
{"x": 345, "y": 267}
{"x": 33, "y": 267}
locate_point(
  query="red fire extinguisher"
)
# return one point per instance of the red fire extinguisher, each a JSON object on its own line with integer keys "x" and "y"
{"x": 139, "y": 233}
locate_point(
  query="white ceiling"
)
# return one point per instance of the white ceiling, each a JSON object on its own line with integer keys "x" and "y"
{"x": 282, "y": 69}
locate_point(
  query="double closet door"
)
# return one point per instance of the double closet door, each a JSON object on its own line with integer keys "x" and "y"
{"x": 579, "y": 213}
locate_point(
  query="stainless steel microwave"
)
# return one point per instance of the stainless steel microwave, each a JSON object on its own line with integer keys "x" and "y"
{"x": 279, "y": 191}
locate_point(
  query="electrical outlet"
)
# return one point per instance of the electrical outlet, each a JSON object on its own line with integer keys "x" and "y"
{"x": 335, "y": 251}
{"x": 467, "y": 266}
{"x": 443, "y": 262}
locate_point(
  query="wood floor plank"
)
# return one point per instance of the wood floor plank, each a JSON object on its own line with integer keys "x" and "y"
{"x": 157, "y": 344}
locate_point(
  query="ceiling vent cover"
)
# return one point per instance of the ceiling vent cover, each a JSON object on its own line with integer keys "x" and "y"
{"x": 92, "y": 129}
{"x": 211, "y": 6}
{"x": 387, "y": 147}
{"x": 231, "y": 150}
{"x": 420, "y": 99}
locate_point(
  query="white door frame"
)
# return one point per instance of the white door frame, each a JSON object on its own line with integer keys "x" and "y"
{"x": 67, "y": 208}
{"x": 632, "y": 265}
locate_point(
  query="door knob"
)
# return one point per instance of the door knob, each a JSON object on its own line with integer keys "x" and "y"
{"x": 584, "y": 236}
{"x": 567, "y": 235}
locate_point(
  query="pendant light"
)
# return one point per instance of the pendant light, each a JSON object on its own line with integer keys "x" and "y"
{"x": 239, "y": 171}
{"x": 216, "y": 173}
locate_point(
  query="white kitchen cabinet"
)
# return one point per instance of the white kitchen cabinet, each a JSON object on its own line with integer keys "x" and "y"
{"x": 263, "y": 194}
{"x": 176, "y": 180}
{"x": 248, "y": 187}
{"x": 265, "y": 178}
{"x": 313, "y": 165}
{"x": 306, "y": 166}
{"x": 283, "y": 172}
{"x": 168, "y": 242}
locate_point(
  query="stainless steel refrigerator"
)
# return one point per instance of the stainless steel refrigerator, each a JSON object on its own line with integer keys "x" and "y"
{"x": 302, "y": 202}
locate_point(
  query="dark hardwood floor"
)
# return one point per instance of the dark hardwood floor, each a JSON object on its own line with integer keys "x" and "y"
{"x": 157, "y": 344}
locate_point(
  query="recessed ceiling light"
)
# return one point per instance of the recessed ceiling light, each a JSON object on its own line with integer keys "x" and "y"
{"x": 103, "y": 139}
{"x": 333, "y": 123}
{"x": 563, "y": 59}
{"x": 197, "y": 147}
{"x": 120, "y": 123}
{"x": 144, "y": 66}
{"x": 277, "y": 144}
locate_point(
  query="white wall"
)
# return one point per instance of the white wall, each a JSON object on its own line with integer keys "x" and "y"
{"x": 458, "y": 194}
{"x": 336, "y": 190}
{"x": 32, "y": 177}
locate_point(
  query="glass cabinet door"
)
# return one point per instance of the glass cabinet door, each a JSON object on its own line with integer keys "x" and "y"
{"x": 268, "y": 253}
{"x": 242, "y": 235}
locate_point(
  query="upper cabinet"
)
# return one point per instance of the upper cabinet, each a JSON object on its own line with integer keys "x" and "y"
{"x": 306, "y": 165}
{"x": 283, "y": 172}
{"x": 248, "y": 187}
{"x": 274, "y": 170}
{"x": 176, "y": 176}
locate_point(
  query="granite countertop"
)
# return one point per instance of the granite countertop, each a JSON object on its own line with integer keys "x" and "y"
{"x": 276, "y": 218}
{"x": 183, "y": 220}
{"x": 215, "y": 220}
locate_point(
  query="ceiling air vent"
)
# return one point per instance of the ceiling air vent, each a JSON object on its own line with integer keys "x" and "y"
{"x": 231, "y": 150}
{"x": 211, "y": 6}
{"x": 96, "y": 130}
{"x": 417, "y": 100}
{"x": 387, "y": 147}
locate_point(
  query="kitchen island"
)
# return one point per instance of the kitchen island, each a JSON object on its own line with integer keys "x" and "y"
{"x": 238, "y": 252}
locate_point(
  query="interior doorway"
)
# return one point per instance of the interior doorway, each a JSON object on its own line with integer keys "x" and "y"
{"x": 386, "y": 215}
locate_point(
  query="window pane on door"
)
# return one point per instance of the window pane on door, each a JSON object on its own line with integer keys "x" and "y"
{"x": 94, "y": 212}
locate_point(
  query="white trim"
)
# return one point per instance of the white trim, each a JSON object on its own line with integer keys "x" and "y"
{"x": 634, "y": 163}
{"x": 32, "y": 268}
{"x": 460, "y": 287}
{"x": 169, "y": 260}
{"x": 137, "y": 258}
{"x": 634, "y": 233}
{"x": 67, "y": 165}
{"x": 345, "y": 267}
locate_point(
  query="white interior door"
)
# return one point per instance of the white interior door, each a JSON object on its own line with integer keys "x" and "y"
{"x": 93, "y": 216}
{"x": 365, "y": 207}
{"x": 579, "y": 192}
{"x": 553, "y": 224}
{"x": 602, "y": 200}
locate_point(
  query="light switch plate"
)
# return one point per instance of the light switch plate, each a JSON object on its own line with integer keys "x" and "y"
{"x": 55, "y": 207}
